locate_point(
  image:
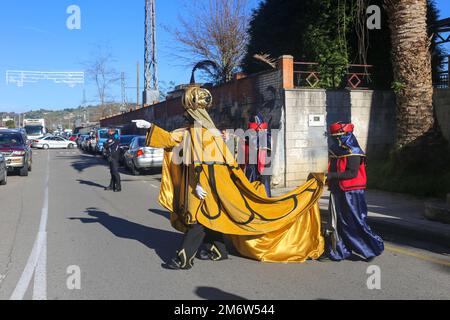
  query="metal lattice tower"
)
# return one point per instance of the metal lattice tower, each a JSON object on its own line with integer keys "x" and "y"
{"x": 123, "y": 90}
{"x": 151, "y": 92}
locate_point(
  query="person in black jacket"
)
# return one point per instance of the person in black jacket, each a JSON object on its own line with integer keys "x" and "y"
{"x": 112, "y": 153}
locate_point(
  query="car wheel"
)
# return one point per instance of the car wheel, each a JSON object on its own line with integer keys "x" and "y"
{"x": 45, "y": 147}
{"x": 70, "y": 146}
{"x": 23, "y": 172}
{"x": 134, "y": 170}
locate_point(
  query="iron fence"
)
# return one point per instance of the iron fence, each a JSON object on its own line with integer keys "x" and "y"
{"x": 308, "y": 75}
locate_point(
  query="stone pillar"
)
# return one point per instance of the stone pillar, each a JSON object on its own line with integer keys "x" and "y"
{"x": 286, "y": 66}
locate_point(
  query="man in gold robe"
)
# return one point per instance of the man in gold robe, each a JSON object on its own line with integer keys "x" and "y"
{"x": 208, "y": 195}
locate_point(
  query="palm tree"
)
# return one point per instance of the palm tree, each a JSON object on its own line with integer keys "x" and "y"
{"x": 411, "y": 60}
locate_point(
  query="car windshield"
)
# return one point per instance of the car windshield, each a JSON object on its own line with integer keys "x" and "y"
{"x": 126, "y": 139}
{"x": 33, "y": 130}
{"x": 10, "y": 139}
{"x": 103, "y": 134}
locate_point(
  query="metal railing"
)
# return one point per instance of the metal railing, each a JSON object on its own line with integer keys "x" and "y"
{"x": 307, "y": 75}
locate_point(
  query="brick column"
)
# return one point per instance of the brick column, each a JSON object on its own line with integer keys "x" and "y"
{"x": 286, "y": 66}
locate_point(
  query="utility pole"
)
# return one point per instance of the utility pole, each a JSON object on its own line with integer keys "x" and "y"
{"x": 137, "y": 85}
{"x": 151, "y": 91}
{"x": 85, "y": 108}
{"x": 124, "y": 93}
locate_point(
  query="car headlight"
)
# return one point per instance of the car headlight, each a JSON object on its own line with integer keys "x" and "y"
{"x": 18, "y": 153}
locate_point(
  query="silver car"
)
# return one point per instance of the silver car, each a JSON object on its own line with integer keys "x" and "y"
{"x": 3, "y": 171}
{"x": 139, "y": 157}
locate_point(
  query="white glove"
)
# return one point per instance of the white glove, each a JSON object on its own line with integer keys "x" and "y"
{"x": 200, "y": 192}
{"x": 142, "y": 124}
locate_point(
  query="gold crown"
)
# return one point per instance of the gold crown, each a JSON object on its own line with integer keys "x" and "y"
{"x": 195, "y": 97}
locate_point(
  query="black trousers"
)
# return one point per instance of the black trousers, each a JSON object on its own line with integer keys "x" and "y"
{"x": 198, "y": 235}
{"x": 115, "y": 176}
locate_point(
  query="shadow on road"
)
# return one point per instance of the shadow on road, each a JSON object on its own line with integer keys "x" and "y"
{"x": 150, "y": 172}
{"x": 163, "y": 242}
{"x": 162, "y": 213}
{"x": 210, "y": 293}
{"x": 84, "y": 161}
{"x": 91, "y": 183}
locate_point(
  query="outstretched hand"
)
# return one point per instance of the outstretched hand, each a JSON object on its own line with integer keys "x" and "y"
{"x": 142, "y": 124}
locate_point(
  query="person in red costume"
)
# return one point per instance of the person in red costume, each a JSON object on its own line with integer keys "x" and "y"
{"x": 260, "y": 142}
{"x": 347, "y": 181}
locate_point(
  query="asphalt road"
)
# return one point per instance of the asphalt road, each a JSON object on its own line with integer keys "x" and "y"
{"x": 59, "y": 221}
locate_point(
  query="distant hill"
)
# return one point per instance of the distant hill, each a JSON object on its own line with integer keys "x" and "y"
{"x": 67, "y": 117}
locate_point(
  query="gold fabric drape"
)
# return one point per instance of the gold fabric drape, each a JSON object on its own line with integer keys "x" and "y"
{"x": 279, "y": 229}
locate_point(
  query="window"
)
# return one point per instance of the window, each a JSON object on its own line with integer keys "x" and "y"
{"x": 142, "y": 142}
{"x": 12, "y": 139}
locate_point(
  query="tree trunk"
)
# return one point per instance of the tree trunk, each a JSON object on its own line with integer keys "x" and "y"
{"x": 411, "y": 60}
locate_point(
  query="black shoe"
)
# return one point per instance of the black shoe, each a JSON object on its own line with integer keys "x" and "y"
{"x": 176, "y": 264}
{"x": 109, "y": 188}
{"x": 118, "y": 190}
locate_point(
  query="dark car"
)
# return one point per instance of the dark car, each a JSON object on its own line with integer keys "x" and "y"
{"x": 16, "y": 150}
{"x": 3, "y": 171}
{"x": 124, "y": 142}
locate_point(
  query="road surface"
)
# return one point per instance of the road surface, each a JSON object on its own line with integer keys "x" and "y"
{"x": 64, "y": 237}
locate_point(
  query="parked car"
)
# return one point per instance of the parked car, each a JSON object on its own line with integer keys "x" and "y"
{"x": 73, "y": 137}
{"x": 3, "y": 171}
{"x": 139, "y": 157}
{"x": 51, "y": 142}
{"x": 16, "y": 151}
{"x": 85, "y": 143}
{"x": 81, "y": 139}
{"x": 124, "y": 145}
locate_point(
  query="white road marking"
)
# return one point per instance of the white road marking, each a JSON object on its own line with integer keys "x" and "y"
{"x": 154, "y": 186}
{"x": 37, "y": 261}
{"x": 40, "y": 274}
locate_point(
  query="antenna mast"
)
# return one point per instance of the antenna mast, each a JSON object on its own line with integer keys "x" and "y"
{"x": 151, "y": 91}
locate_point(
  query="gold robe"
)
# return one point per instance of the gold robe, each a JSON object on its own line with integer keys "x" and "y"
{"x": 279, "y": 229}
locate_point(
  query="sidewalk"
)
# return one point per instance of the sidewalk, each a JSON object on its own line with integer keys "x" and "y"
{"x": 396, "y": 213}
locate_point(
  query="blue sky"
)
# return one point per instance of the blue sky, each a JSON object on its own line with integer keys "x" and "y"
{"x": 34, "y": 36}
